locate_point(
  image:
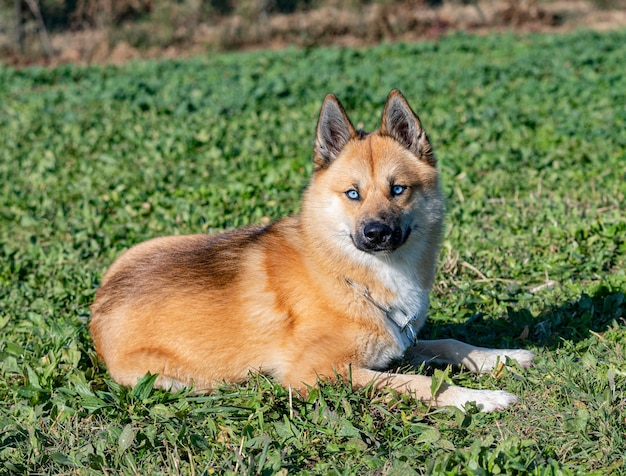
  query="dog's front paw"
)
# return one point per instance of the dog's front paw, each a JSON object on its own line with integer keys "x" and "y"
{"x": 523, "y": 357}
{"x": 485, "y": 400}
{"x": 494, "y": 400}
{"x": 485, "y": 360}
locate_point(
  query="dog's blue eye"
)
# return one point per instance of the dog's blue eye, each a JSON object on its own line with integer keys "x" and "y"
{"x": 353, "y": 194}
{"x": 397, "y": 190}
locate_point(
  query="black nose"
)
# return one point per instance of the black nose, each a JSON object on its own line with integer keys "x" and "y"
{"x": 377, "y": 233}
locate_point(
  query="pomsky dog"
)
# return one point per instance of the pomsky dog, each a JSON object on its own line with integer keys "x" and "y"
{"x": 339, "y": 289}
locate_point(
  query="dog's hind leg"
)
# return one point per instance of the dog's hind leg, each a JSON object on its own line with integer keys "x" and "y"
{"x": 130, "y": 377}
{"x": 475, "y": 359}
{"x": 127, "y": 368}
{"x": 419, "y": 387}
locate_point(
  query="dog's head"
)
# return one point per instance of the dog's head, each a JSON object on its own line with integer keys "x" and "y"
{"x": 376, "y": 193}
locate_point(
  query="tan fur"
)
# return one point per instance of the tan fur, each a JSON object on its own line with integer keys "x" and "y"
{"x": 308, "y": 297}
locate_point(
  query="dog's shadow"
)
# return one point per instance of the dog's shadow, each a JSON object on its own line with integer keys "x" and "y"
{"x": 519, "y": 328}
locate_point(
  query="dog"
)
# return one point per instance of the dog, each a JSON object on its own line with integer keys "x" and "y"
{"x": 340, "y": 289}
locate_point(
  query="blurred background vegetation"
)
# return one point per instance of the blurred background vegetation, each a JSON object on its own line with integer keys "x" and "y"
{"x": 57, "y": 31}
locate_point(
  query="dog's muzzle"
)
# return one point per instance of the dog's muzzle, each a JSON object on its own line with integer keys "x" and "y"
{"x": 376, "y": 236}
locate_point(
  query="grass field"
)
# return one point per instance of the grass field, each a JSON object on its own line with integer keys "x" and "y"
{"x": 530, "y": 135}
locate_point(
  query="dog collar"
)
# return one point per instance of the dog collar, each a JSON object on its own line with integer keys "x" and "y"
{"x": 405, "y": 326}
{"x": 397, "y": 317}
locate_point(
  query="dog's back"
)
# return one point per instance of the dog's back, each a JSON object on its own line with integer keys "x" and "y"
{"x": 193, "y": 309}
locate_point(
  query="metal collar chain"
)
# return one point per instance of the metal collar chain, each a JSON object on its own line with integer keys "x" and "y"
{"x": 405, "y": 325}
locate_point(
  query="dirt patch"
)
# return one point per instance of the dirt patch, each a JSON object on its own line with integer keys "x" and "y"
{"x": 337, "y": 26}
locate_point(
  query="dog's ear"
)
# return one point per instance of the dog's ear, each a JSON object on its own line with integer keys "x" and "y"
{"x": 400, "y": 122}
{"x": 334, "y": 130}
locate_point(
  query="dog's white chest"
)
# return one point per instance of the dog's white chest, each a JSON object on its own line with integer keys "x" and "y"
{"x": 404, "y": 313}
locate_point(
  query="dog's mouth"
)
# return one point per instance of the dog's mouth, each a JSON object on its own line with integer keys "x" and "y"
{"x": 379, "y": 237}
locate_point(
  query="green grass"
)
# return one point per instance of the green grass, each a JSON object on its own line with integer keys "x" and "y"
{"x": 530, "y": 136}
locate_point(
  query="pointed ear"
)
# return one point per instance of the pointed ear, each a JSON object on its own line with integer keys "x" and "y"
{"x": 401, "y": 123}
{"x": 334, "y": 130}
